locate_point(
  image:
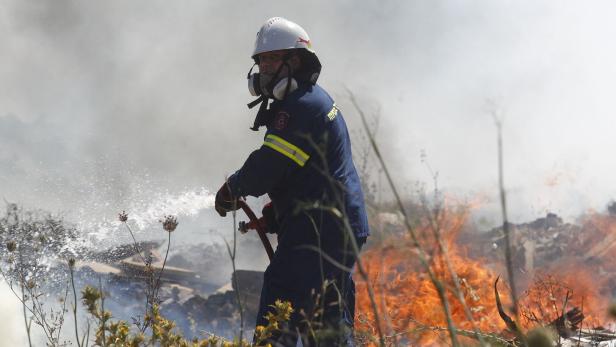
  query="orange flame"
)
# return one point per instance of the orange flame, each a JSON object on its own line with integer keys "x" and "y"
{"x": 411, "y": 310}
{"x": 407, "y": 300}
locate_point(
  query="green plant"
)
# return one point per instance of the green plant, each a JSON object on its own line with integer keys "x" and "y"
{"x": 282, "y": 313}
{"x": 163, "y": 332}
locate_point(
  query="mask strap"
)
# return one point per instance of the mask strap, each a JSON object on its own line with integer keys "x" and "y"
{"x": 250, "y": 71}
{"x": 262, "y": 115}
{"x": 256, "y": 101}
{"x": 286, "y": 91}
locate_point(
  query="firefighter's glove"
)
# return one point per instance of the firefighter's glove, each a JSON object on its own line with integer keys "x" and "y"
{"x": 225, "y": 201}
{"x": 269, "y": 219}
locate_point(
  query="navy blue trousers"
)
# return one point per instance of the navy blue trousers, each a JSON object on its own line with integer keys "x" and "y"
{"x": 321, "y": 290}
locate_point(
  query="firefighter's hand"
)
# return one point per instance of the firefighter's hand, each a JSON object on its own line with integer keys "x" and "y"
{"x": 225, "y": 202}
{"x": 269, "y": 219}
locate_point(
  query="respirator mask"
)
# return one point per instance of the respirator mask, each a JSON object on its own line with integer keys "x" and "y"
{"x": 271, "y": 86}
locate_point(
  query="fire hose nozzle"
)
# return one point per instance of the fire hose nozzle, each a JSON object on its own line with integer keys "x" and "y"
{"x": 242, "y": 227}
{"x": 254, "y": 224}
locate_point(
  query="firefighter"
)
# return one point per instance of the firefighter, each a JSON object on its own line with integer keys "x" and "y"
{"x": 305, "y": 166}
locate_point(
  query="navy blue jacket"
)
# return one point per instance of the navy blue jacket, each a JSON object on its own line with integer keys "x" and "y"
{"x": 305, "y": 159}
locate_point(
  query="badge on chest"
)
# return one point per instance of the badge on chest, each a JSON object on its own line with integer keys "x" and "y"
{"x": 281, "y": 121}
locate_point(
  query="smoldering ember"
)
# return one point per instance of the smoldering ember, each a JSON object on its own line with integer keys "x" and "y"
{"x": 565, "y": 274}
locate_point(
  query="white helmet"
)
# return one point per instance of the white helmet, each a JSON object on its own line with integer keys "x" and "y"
{"x": 281, "y": 34}
{"x": 278, "y": 33}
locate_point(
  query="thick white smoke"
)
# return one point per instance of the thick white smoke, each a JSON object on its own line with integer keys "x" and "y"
{"x": 106, "y": 103}
{"x": 137, "y": 105}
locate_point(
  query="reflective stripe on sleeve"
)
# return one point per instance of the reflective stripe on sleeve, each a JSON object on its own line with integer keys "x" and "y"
{"x": 287, "y": 149}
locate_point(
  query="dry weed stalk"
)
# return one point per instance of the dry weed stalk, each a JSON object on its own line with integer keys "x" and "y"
{"x": 31, "y": 297}
{"x": 490, "y": 339}
{"x": 29, "y": 238}
{"x": 545, "y": 302}
{"x": 435, "y": 216}
{"x": 349, "y": 235}
{"x": 232, "y": 251}
{"x": 71, "y": 269}
{"x": 420, "y": 251}
{"x": 503, "y": 200}
{"x": 169, "y": 224}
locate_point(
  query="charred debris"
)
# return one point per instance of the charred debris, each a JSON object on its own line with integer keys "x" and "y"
{"x": 199, "y": 301}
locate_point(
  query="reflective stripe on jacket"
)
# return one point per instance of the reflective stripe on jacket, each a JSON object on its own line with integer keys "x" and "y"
{"x": 305, "y": 159}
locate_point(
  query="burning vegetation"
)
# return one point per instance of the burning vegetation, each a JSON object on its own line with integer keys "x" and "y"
{"x": 407, "y": 297}
{"x": 565, "y": 272}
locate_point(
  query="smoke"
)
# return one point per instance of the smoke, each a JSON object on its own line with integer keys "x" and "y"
{"x": 111, "y": 102}
{"x": 12, "y": 329}
{"x": 141, "y": 105}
